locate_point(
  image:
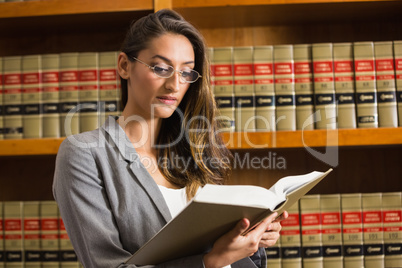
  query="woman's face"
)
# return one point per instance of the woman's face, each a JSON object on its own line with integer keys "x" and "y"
{"x": 150, "y": 96}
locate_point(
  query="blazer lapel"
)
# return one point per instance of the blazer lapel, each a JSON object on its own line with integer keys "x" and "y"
{"x": 128, "y": 152}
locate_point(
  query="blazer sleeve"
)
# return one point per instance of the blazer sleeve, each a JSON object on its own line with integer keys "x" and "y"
{"x": 79, "y": 191}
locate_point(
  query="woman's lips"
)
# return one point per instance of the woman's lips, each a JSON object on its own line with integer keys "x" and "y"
{"x": 167, "y": 100}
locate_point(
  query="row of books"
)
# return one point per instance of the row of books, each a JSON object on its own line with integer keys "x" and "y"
{"x": 308, "y": 86}
{"x": 341, "y": 230}
{"x": 55, "y": 95}
{"x": 32, "y": 234}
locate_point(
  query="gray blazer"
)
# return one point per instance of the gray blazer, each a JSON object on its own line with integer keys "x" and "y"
{"x": 109, "y": 203}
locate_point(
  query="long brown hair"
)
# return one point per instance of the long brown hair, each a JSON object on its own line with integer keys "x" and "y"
{"x": 199, "y": 156}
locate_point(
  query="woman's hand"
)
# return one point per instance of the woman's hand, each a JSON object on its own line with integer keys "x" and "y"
{"x": 234, "y": 246}
{"x": 271, "y": 234}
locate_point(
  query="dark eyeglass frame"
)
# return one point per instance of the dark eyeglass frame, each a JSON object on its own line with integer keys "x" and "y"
{"x": 180, "y": 72}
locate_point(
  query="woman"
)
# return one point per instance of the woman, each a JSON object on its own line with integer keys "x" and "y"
{"x": 120, "y": 184}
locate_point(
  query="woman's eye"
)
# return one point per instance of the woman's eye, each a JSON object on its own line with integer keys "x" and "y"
{"x": 161, "y": 69}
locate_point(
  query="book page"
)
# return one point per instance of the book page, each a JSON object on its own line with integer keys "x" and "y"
{"x": 289, "y": 184}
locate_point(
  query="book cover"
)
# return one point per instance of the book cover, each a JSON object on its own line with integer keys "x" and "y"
{"x": 304, "y": 87}
{"x": 1, "y": 100}
{"x": 352, "y": 230}
{"x": 13, "y": 236}
{"x": 2, "y": 257}
{"x": 50, "y": 96}
{"x": 331, "y": 230}
{"x": 49, "y": 234}
{"x": 398, "y": 76}
{"x": 311, "y": 238}
{"x": 32, "y": 96}
{"x": 224, "y": 87}
{"x": 108, "y": 87}
{"x": 12, "y": 97}
{"x": 88, "y": 68}
{"x": 345, "y": 85}
{"x": 264, "y": 88}
{"x": 226, "y": 205}
{"x": 274, "y": 259}
{"x": 386, "y": 89}
{"x": 68, "y": 258}
{"x": 365, "y": 83}
{"x": 31, "y": 223}
{"x": 244, "y": 89}
{"x": 324, "y": 86}
{"x": 392, "y": 217}
{"x": 284, "y": 87}
{"x": 291, "y": 239}
{"x": 373, "y": 236}
{"x": 69, "y": 115}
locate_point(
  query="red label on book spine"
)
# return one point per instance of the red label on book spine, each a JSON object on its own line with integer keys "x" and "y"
{"x": 12, "y": 91}
{"x": 352, "y": 230}
{"x": 283, "y": 68}
{"x": 292, "y": 220}
{"x": 12, "y": 79}
{"x": 12, "y": 225}
{"x": 31, "y": 225}
{"x": 398, "y": 64}
{"x": 324, "y": 79}
{"x": 323, "y": 67}
{"x": 290, "y": 232}
{"x": 31, "y": 90}
{"x": 331, "y": 231}
{"x": 352, "y": 217}
{"x": 243, "y": 82}
{"x": 373, "y": 230}
{"x": 392, "y": 216}
{"x": 68, "y": 76}
{"x": 107, "y": 75}
{"x": 50, "y": 89}
{"x": 331, "y": 218}
{"x": 31, "y": 78}
{"x": 50, "y": 77}
{"x": 263, "y": 69}
{"x": 311, "y": 232}
{"x": 384, "y": 65}
{"x": 243, "y": 69}
{"x": 31, "y": 236}
{"x": 303, "y": 80}
{"x": 263, "y": 81}
{"x": 343, "y": 66}
{"x": 365, "y": 78}
{"x": 311, "y": 219}
{"x": 344, "y": 79}
{"x": 49, "y": 224}
{"x": 88, "y": 76}
{"x": 372, "y": 217}
{"x": 364, "y": 66}
{"x": 393, "y": 229}
{"x": 302, "y": 67}
{"x": 223, "y": 70}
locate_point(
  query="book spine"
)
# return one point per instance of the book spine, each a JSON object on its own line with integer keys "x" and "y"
{"x": 304, "y": 87}
{"x": 1, "y": 101}
{"x": 386, "y": 89}
{"x": 331, "y": 230}
{"x": 13, "y": 236}
{"x": 69, "y": 121}
{"x": 365, "y": 83}
{"x": 31, "y": 225}
{"x": 50, "y": 96}
{"x": 345, "y": 85}
{"x": 324, "y": 86}
{"x": 291, "y": 239}
{"x": 244, "y": 89}
{"x": 32, "y": 96}
{"x": 352, "y": 230}
{"x": 392, "y": 217}
{"x": 274, "y": 255}
{"x": 373, "y": 230}
{"x": 2, "y": 255}
{"x": 68, "y": 258}
{"x": 12, "y": 98}
{"x": 284, "y": 87}
{"x": 398, "y": 76}
{"x": 311, "y": 231}
{"x": 264, "y": 88}
{"x": 49, "y": 219}
{"x": 223, "y": 87}
{"x": 88, "y": 68}
{"x": 108, "y": 87}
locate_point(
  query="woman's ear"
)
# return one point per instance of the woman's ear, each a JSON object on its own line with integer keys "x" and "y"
{"x": 123, "y": 65}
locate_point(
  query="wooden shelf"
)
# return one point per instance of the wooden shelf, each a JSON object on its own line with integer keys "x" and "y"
{"x": 244, "y": 140}
{"x": 62, "y": 7}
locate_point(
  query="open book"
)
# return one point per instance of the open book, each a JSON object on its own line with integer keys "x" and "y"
{"x": 215, "y": 210}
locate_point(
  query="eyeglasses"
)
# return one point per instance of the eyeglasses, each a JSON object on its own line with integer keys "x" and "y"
{"x": 166, "y": 71}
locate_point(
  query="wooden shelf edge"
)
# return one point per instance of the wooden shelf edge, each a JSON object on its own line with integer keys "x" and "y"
{"x": 244, "y": 140}
{"x": 45, "y": 146}
{"x": 71, "y": 7}
{"x": 238, "y": 3}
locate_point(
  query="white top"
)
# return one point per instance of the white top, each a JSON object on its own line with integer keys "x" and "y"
{"x": 176, "y": 200}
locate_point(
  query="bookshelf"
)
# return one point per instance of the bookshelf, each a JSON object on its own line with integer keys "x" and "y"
{"x": 369, "y": 159}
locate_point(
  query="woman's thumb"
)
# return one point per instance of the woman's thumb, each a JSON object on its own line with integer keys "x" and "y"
{"x": 241, "y": 227}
